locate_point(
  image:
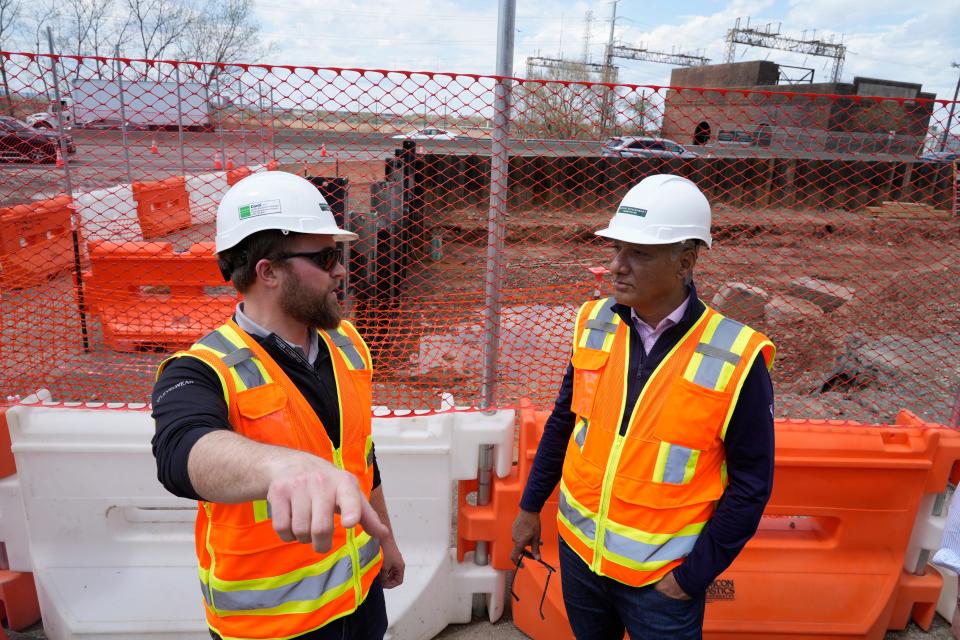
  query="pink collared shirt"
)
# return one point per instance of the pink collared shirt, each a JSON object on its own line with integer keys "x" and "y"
{"x": 648, "y": 334}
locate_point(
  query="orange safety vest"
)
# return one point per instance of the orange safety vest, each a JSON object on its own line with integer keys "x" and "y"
{"x": 633, "y": 505}
{"x": 254, "y": 584}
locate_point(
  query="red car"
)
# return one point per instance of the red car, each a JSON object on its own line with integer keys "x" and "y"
{"x": 19, "y": 142}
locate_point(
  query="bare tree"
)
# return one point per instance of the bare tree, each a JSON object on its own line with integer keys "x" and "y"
{"x": 566, "y": 107}
{"x": 9, "y": 12}
{"x": 87, "y": 29}
{"x": 222, "y": 31}
{"x": 156, "y": 26}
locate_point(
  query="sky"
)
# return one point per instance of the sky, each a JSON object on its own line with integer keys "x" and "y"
{"x": 888, "y": 39}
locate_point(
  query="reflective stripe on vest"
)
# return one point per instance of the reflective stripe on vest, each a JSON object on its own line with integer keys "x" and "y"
{"x": 718, "y": 353}
{"x": 640, "y": 549}
{"x": 601, "y": 326}
{"x": 349, "y": 351}
{"x": 316, "y": 585}
{"x": 580, "y": 435}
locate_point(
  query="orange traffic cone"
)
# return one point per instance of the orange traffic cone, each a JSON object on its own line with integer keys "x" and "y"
{"x": 323, "y": 151}
{"x": 272, "y": 165}
{"x": 229, "y": 164}
{"x": 60, "y": 162}
{"x": 153, "y": 146}
{"x": 217, "y": 164}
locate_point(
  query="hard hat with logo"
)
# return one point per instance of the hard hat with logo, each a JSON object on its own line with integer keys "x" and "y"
{"x": 274, "y": 200}
{"x": 661, "y": 209}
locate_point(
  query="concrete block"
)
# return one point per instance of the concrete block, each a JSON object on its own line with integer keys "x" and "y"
{"x": 782, "y": 308}
{"x": 829, "y": 296}
{"x": 742, "y": 302}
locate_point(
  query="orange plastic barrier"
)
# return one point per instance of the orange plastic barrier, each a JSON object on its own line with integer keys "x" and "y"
{"x": 236, "y": 175}
{"x": 8, "y": 466}
{"x": 148, "y": 297}
{"x": 35, "y": 242}
{"x": 162, "y": 206}
{"x": 827, "y": 560}
{"x": 18, "y": 593}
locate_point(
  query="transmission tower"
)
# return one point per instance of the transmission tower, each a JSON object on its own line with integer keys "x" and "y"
{"x": 769, "y": 37}
{"x": 642, "y": 53}
{"x": 570, "y": 69}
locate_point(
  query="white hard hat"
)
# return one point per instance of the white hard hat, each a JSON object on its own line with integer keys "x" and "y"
{"x": 661, "y": 209}
{"x": 274, "y": 200}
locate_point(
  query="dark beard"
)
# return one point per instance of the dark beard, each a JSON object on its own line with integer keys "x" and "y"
{"x": 310, "y": 308}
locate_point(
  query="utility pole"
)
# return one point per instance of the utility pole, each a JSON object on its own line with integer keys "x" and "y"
{"x": 946, "y": 128}
{"x": 606, "y": 107}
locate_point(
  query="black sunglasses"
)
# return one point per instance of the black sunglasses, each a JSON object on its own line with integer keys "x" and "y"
{"x": 326, "y": 259}
{"x": 546, "y": 585}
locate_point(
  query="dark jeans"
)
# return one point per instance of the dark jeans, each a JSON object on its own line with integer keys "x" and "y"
{"x": 368, "y": 622}
{"x": 600, "y": 608}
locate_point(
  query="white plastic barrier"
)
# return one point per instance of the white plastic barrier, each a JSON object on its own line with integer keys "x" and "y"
{"x": 924, "y": 542}
{"x": 112, "y": 551}
{"x": 109, "y": 214}
{"x": 13, "y": 525}
{"x": 205, "y": 191}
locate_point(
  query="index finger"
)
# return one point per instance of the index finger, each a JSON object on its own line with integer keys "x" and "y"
{"x": 355, "y": 509}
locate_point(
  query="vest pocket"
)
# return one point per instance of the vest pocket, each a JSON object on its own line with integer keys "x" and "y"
{"x": 588, "y": 366}
{"x": 692, "y": 416}
{"x": 264, "y": 417}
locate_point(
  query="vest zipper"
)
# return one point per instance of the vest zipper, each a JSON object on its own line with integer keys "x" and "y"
{"x": 213, "y": 558}
{"x": 613, "y": 460}
{"x": 351, "y": 540}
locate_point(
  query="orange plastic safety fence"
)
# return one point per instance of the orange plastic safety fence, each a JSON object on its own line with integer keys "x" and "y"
{"x": 835, "y": 221}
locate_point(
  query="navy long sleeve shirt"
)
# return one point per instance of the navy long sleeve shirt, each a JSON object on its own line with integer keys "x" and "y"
{"x": 749, "y": 445}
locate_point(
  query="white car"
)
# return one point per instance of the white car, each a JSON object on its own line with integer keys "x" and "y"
{"x": 426, "y": 134}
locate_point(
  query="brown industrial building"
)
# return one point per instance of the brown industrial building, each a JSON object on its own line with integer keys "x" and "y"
{"x": 785, "y": 120}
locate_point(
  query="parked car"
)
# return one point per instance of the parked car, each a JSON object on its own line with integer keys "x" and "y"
{"x": 111, "y": 124}
{"x": 940, "y": 156}
{"x": 18, "y": 142}
{"x": 426, "y": 134}
{"x": 641, "y": 147}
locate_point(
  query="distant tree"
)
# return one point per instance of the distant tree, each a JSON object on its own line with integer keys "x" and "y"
{"x": 565, "y": 107}
{"x": 155, "y": 27}
{"x": 9, "y": 12}
{"x": 222, "y": 31}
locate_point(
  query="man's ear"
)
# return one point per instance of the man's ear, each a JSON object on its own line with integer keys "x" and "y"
{"x": 267, "y": 273}
{"x": 686, "y": 262}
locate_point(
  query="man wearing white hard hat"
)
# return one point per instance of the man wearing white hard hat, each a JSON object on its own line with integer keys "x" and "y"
{"x": 266, "y": 421}
{"x": 661, "y": 437}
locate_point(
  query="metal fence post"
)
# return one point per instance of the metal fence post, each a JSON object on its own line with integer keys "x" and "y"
{"x": 223, "y": 148}
{"x": 183, "y": 157}
{"x": 123, "y": 116}
{"x": 499, "y": 166}
{"x": 77, "y": 223}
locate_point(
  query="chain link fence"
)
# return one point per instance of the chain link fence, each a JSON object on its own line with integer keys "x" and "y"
{"x": 836, "y": 232}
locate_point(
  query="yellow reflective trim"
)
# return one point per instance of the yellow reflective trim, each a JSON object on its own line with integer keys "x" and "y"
{"x": 736, "y": 392}
{"x": 594, "y": 312}
{"x": 691, "y": 371}
{"x": 739, "y": 344}
{"x": 365, "y": 354}
{"x": 662, "y": 455}
{"x": 273, "y": 582}
{"x": 691, "y": 466}
{"x": 723, "y": 472}
{"x": 260, "y": 511}
{"x": 301, "y": 606}
{"x": 583, "y": 308}
{"x": 587, "y": 542}
{"x": 646, "y": 537}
